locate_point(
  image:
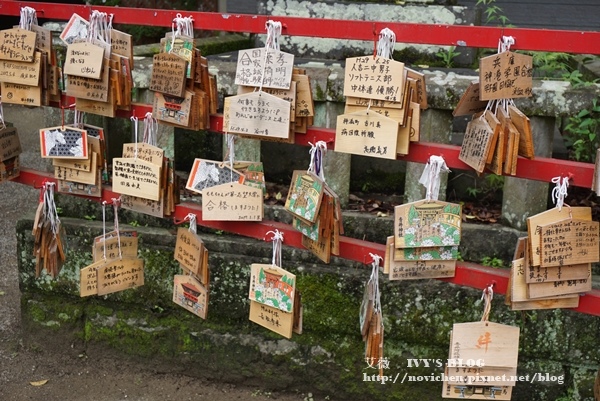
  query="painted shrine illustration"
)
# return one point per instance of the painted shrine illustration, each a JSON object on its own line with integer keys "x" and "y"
{"x": 272, "y": 286}
{"x": 427, "y": 224}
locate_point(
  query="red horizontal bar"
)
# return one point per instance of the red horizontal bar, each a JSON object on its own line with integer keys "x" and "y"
{"x": 467, "y": 274}
{"x": 584, "y": 42}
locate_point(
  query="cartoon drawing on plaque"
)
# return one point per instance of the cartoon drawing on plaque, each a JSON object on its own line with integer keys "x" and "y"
{"x": 428, "y": 224}
{"x": 272, "y": 286}
{"x": 56, "y": 142}
{"x": 207, "y": 174}
{"x": 305, "y": 196}
{"x": 190, "y": 294}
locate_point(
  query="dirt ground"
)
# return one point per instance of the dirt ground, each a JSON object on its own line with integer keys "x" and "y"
{"x": 71, "y": 375}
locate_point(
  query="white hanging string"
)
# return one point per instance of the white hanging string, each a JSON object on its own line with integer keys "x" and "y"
{"x": 504, "y": 43}
{"x": 28, "y": 18}
{"x": 375, "y": 280}
{"x": 386, "y": 42}
{"x": 317, "y": 155}
{"x": 50, "y": 207}
{"x": 191, "y": 217}
{"x": 135, "y": 120}
{"x": 104, "y": 227}
{"x": 116, "y": 210}
{"x": 486, "y": 297}
{"x": 230, "y": 141}
{"x": 431, "y": 179}
{"x": 2, "y": 123}
{"x": 150, "y": 129}
{"x": 277, "y": 241}
{"x": 559, "y": 192}
{"x": 271, "y": 43}
{"x": 181, "y": 26}
{"x": 78, "y": 118}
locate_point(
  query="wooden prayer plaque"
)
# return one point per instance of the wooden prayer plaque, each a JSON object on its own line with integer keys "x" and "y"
{"x": 304, "y": 196}
{"x": 420, "y": 269}
{"x": 43, "y": 38}
{"x": 128, "y": 248}
{"x": 145, "y": 151}
{"x": 172, "y": 109}
{"x": 168, "y": 74}
{"x": 421, "y": 89}
{"x": 190, "y": 294}
{"x": 552, "y": 289}
{"x": 415, "y": 122}
{"x": 505, "y": 75}
{"x": 476, "y": 144}
{"x": 569, "y": 241}
{"x": 477, "y": 392}
{"x": 90, "y": 88}
{"x": 271, "y": 285}
{"x": 75, "y": 30}
{"x": 375, "y": 103}
{"x": 396, "y": 114}
{"x": 77, "y": 175}
{"x": 21, "y": 94}
{"x": 374, "y": 78}
{"x": 182, "y": 46}
{"x": 521, "y": 122}
{"x": 121, "y": 44}
{"x": 538, "y": 274}
{"x": 136, "y": 177}
{"x": 207, "y": 173}
{"x": 189, "y": 250}
{"x": 404, "y": 132}
{"x": 491, "y": 343}
{"x": 285, "y": 94}
{"x": 10, "y": 146}
{"x": 88, "y": 279}
{"x": 534, "y": 224}
{"x": 427, "y": 224}
{"x": 304, "y": 106}
{"x": 426, "y": 253}
{"x": 141, "y": 205}
{"x": 389, "y": 254}
{"x": 495, "y": 125}
{"x": 469, "y": 102}
{"x": 480, "y": 376}
{"x": 272, "y": 318}
{"x": 84, "y": 59}
{"x": 232, "y": 202}
{"x": 22, "y": 72}
{"x": 518, "y": 286}
{"x": 366, "y": 133}
{"x": 17, "y": 44}
{"x": 106, "y": 109}
{"x": 259, "y": 114}
{"x": 119, "y": 275}
{"x": 64, "y": 142}
{"x": 273, "y": 66}
{"x": 76, "y": 188}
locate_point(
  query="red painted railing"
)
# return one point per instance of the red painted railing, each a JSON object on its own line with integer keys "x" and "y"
{"x": 542, "y": 169}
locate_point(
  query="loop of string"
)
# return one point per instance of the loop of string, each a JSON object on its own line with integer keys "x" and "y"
{"x": 375, "y": 280}
{"x": 230, "y": 141}
{"x": 386, "y": 42}
{"x": 100, "y": 28}
{"x": 277, "y": 241}
{"x": 486, "y": 297}
{"x": 272, "y": 43}
{"x": 49, "y": 207}
{"x": 135, "y": 120}
{"x": 78, "y": 118}
{"x": 317, "y": 155}
{"x": 559, "y": 192}
{"x": 28, "y": 18}
{"x": 430, "y": 178}
{"x": 181, "y": 26}
{"x": 504, "y": 43}
{"x": 191, "y": 217}
{"x": 150, "y": 129}
{"x": 116, "y": 210}
{"x": 104, "y": 227}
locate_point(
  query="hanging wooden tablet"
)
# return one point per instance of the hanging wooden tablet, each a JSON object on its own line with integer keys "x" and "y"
{"x": 106, "y": 109}
{"x": 403, "y": 141}
{"x": 88, "y": 279}
{"x": 519, "y": 289}
{"x": 260, "y": 115}
{"x": 141, "y": 150}
{"x": 367, "y": 308}
{"x": 79, "y": 175}
{"x": 304, "y": 106}
{"x": 366, "y": 133}
{"x": 421, "y": 88}
{"x": 182, "y": 46}
{"x": 75, "y": 188}
{"x": 136, "y": 177}
{"x": 232, "y": 202}
{"x": 427, "y": 223}
{"x": 569, "y": 241}
{"x": 505, "y": 75}
{"x": 469, "y": 102}
{"x": 90, "y": 88}
{"x": 304, "y": 196}
{"x": 274, "y": 67}
{"x": 476, "y": 144}
{"x": 284, "y": 94}
{"x": 84, "y": 59}
{"x": 534, "y": 224}
{"x": 17, "y": 44}
{"x": 190, "y": 294}
{"x": 119, "y": 275}
{"x": 75, "y": 30}
{"x": 168, "y": 74}
{"x": 171, "y": 109}
{"x": 121, "y": 44}
{"x": 415, "y": 121}
{"x": 10, "y": 146}
{"x": 556, "y": 288}
{"x": 272, "y": 318}
{"x": 523, "y": 125}
{"x": 496, "y": 126}
{"x": 512, "y": 149}
{"x": 497, "y": 345}
{"x": 374, "y": 78}
{"x": 595, "y": 179}
{"x": 377, "y": 106}
{"x": 273, "y": 286}
{"x": 10, "y": 169}
{"x": 21, "y": 94}
{"x": 63, "y": 142}
{"x": 22, "y": 72}
{"x": 426, "y": 253}
{"x": 112, "y": 246}
{"x": 317, "y": 237}
{"x": 477, "y": 392}
{"x": 142, "y": 205}
{"x": 298, "y": 313}
{"x": 209, "y": 173}
{"x": 253, "y": 173}
{"x": 189, "y": 251}
{"x": 421, "y": 269}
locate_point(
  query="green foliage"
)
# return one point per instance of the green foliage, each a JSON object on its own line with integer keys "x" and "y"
{"x": 582, "y": 133}
{"x": 490, "y": 261}
{"x": 552, "y": 64}
{"x": 447, "y": 56}
{"x": 491, "y": 186}
{"x": 494, "y": 15}
{"x": 89, "y": 217}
